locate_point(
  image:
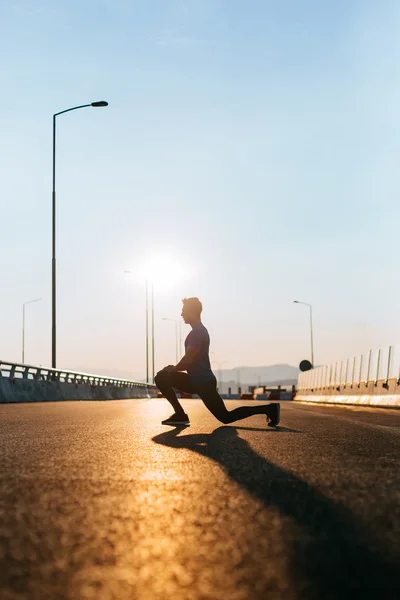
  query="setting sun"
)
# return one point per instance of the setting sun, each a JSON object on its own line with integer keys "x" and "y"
{"x": 163, "y": 271}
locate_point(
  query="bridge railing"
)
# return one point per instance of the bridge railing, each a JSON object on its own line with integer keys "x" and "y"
{"x": 375, "y": 366}
{"x": 19, "y": 371}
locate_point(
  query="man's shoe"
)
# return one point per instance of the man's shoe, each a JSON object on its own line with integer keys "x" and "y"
{"x": 177, "y": 419}
{"x": 273, "y": 415}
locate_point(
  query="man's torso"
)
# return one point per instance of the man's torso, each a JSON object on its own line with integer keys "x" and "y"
{"x": 200, "y": 369}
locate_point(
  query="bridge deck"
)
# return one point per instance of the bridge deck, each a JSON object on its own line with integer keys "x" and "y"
{"x": 98, "y": 500}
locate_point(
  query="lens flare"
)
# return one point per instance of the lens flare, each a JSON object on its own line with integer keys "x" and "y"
{"x": 163, "y": 271}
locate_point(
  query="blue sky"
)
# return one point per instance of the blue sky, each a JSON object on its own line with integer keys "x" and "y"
{"x": 257, "y": 142}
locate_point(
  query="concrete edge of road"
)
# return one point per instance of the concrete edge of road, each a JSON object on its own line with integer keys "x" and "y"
{"x": 27, "y": 390}
{"x": 377, "y": 401}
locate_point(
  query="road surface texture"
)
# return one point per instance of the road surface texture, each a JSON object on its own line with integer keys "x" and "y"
{"x": 100, "y": 501}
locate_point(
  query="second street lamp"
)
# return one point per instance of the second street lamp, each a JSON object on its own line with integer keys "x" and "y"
{"x": 176, "y": 336}
{"x": 100, "y": 103}
{"x": 311, "y": 328}
{"x": 147, "y": 326}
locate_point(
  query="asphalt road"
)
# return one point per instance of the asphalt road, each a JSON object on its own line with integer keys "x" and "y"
{"x": 100, "y": 501}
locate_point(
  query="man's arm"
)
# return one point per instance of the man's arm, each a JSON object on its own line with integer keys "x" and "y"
{"x": 186, "y": 361}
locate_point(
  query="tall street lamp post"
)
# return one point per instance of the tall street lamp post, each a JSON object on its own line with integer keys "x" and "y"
{"x": 53, "y": 302}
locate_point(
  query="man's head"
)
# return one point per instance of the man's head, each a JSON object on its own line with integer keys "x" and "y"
{"x": 191, "y": 310}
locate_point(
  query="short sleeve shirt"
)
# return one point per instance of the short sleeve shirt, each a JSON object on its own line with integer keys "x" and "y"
{"x": 200, "y": 370}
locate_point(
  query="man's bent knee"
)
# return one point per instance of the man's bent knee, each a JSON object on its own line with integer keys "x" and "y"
{"x": 161, "y": 378}
{"x": 225, "y": 419}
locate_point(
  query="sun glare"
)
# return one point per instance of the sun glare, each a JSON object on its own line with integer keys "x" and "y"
{"x": 163, "y": 271}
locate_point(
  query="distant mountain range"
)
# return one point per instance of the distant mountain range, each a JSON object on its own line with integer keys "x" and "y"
{"x": 271, "y": 375}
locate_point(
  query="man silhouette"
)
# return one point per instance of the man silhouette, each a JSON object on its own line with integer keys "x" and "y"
{"x": 199, "y": 378}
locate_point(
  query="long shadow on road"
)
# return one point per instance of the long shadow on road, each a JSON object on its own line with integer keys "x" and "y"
{"x": 332, "y": 553}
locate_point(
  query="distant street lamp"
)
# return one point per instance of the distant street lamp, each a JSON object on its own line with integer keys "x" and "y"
{"x": 53, "y": 303}
{"x": 23, "y": 326}
{"x": 158, "y": 271}
{"x": 219, "y": 366}
{"x": 311, "y": 328}
{"x": 176, "y": 336}
{"x": 147, "y": 327}
{"x": 152, "y": 330}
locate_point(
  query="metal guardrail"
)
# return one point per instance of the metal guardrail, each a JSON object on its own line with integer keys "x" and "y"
{"x": 375, "y": 366}
{"x": 19, "y": 371}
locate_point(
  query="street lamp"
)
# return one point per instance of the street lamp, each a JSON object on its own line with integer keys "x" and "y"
{"x": 23, "y": 325}
{"x": 152, "y": 329}
{"x": 311, "y": 328}
{"x": 219, "y": 365}
{"x": 53, "y": 303}
{"x": 176, "y": 336}
{"x": 147, "y": 327}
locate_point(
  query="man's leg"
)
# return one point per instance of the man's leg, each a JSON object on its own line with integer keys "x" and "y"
{"x": 216, "y": 406}
{"x": 167, "y": 382}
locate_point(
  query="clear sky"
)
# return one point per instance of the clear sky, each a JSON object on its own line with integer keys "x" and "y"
{"x": 256, "y": 142}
